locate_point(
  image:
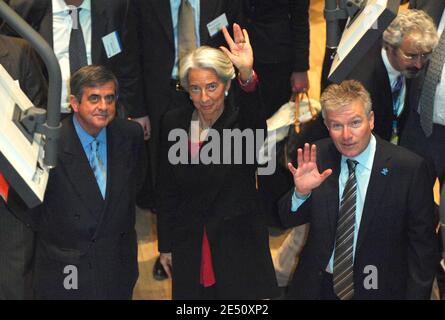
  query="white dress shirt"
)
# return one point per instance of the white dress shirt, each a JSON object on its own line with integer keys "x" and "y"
{"x": 393, "y": 75}
{"x": 62, "y": 25}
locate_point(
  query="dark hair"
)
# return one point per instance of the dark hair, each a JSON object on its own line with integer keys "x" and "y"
{"x": 91, "y": 76}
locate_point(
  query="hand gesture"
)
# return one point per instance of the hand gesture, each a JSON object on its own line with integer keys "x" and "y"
{"x": 306, "y": 176}
{"x": 167, "y": 262}
{"x": 240, "y": 52}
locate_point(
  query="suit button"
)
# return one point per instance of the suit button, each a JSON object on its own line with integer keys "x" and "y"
{"x": 94, "y": 240}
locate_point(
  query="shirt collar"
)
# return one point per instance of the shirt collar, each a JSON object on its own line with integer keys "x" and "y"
{"x": 366, "y": 157}
{"x": 84, "y": 137}
{"x": 392, "y": 73}
{"x": 60, "y": 6}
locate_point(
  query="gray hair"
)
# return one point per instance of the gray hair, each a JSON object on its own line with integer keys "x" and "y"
{"x": 90, "y": 77}
{"x": 206, "y": 58}
{"x": 416, "y": 24}
{"x": 339, "y": 96}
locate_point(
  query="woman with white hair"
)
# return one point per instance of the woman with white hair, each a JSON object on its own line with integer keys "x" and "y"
{"x": 212, "y": 233}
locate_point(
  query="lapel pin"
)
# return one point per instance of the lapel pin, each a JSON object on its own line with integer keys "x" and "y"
{"x": 384, "y": 171}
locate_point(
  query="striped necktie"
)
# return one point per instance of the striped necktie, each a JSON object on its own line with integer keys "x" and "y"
{"x": 186, "y": 29}
{"x": 343, "y": 275}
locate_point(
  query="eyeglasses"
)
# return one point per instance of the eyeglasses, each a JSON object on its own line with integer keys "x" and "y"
{"x": 413, "y": 57}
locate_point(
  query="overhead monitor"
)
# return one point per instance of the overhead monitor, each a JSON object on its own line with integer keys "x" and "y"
{"x": 21, "y": 154}
{"x": 360, "y": 35}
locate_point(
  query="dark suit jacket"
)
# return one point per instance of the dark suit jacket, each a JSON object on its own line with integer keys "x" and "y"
{"x": 372, "y": 73}
{"x": 223, "y": 199}
{"x": 106, "y": 16}
{"x": 279, "y": 31}
{"x": 397, "y": 229}
{"x": 76, "y": 226}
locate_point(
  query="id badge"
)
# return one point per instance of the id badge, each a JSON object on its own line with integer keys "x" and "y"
{"x": 217, "y": 24}
{"x": 112, "y": 44}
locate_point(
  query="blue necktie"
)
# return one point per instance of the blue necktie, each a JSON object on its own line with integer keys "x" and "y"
{"x": 396, "y": 102}
{"x": 98, "y": 166}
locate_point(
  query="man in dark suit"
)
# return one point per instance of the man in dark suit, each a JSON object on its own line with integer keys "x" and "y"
{"x": 86, "y": 239}
{"x": 16, "y": 235}
{"x": 388, "y": 67}
{"x": 109, "y": 38}
{"x": 378, "y": 242}
{"x": 158, "y": 28}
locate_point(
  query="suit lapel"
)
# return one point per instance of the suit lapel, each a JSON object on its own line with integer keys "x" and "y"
{"x": 382, "y": 80}
{"x": 78, "y": 170}
{"x": 116, "y": 170}
{"x": 381, "y": 172}
{"x": 331, "y": 160}
{"x": 46, "y": 26}
{"x": 99, "y": 23}
{"x": 208, "y": 11}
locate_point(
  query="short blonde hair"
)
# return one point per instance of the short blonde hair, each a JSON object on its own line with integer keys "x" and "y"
{"x": 416, "y": 24}
{"x": 206, "y": 58}
{"x": 339, "y": 96}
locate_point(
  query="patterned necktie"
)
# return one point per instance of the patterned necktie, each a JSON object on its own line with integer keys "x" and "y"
{"x": 186, "y": 29}
{"x": 98, "y": 166}
{"x": 344, "y": 238}
{"x": 396, "y": 90}
{"x": 432, "y": 78}
{"x": 77, "y": 49}
{"x": 396, "y": 102}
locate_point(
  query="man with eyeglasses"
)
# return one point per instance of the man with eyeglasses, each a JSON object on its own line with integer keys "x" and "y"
{"x": 86, "y": 239}
{"x": 388, "y": 67}
{"x": 370, "y": 209}
{"x": 425, "y": 127}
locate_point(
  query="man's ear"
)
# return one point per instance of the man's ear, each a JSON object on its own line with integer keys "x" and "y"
{"x": 74, "y": 103}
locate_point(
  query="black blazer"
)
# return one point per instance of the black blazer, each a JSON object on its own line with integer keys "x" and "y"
{"x": 372, "y": 73}
{"x": 223, "y": 199}
{"x": 106, "y": 16}
{"x": 279, "y": 31}
{"x": 76, "y": 226}
{"x": 396, "y": 233}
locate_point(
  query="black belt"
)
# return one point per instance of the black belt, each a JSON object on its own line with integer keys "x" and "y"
{"x": 175, "y": 84}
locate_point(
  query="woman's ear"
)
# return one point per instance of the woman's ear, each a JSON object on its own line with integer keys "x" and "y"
{"x": 227, "y": 88}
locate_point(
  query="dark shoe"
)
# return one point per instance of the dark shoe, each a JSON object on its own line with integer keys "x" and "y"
{"x": 158, "y": 271}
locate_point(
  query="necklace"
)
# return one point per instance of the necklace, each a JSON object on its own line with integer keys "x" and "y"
{"x": 202, "y": 125}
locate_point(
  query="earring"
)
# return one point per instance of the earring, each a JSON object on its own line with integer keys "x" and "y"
{"x": 190, "y": 97}
{"x": 226, "y": 93}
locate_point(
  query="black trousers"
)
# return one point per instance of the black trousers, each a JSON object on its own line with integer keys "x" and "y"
{"x": 16, "y": 256}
